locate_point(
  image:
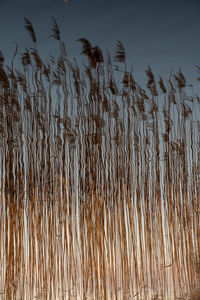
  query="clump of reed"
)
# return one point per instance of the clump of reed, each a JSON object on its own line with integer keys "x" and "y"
{"x": 99, "y": 179}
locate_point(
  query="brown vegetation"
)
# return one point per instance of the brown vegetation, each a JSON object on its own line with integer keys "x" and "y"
{"x": 100, "y": 179}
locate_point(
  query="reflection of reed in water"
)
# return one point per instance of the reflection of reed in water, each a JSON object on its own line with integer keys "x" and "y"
{"x": 99, "y": 179}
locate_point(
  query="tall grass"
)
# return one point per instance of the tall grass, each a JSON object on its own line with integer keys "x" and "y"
{"x": 100, "y": 179}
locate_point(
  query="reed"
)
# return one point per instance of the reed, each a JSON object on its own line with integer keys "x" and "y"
{"x": 99, "y": 179}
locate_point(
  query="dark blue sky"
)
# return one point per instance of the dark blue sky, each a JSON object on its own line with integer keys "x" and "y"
{"x": 162, "y": 34}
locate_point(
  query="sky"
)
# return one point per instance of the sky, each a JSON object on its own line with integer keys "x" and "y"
{"x": 161, "y": 34}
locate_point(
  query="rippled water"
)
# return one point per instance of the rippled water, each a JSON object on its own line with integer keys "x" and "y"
{"x": 99, "y": 187}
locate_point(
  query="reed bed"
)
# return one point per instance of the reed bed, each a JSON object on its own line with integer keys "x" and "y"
{"x": 100, "y": 179}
